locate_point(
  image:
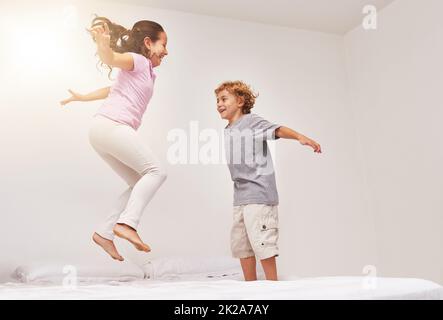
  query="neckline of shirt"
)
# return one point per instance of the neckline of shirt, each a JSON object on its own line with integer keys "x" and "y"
{"x": 236, "y": 122}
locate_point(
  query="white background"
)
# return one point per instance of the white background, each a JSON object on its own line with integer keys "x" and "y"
{"x": 370, "y": 98}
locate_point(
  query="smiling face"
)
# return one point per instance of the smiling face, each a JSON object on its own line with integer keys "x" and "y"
{"x": 229, "y": 106}
{"x": 157, "y": 49}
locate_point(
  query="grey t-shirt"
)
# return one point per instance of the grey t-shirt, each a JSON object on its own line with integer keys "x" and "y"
{"x": 250, "y": 161}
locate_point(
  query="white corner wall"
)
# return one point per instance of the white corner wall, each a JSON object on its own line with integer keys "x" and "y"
{"x": 395, "y": 74}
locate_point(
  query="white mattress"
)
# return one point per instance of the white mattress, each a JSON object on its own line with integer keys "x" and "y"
{"x": 304, "y": 288}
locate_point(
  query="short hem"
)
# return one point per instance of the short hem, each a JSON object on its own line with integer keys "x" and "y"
{"x": 267, "y": 256}
{"x": 243, "y": 256}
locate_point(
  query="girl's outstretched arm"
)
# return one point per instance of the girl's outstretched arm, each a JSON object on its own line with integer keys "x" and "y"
{"x": 95, "y": 95}
{"x": 102, "y": 37}
{"x": 287, "y": 133}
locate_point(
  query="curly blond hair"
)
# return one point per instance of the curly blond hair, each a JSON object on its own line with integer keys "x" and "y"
{"x": 242, "y": 90}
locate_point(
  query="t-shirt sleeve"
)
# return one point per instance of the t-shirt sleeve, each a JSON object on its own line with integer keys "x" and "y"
{"x": 263, "y": 128}
{"x": 140, "y": 62}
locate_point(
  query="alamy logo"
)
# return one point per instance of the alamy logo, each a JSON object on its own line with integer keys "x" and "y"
{"x": 70, "y": 280}
{"x": 208, "y": 146}
{"x": 370, "y": 280}
{"x": 370, "y": 20}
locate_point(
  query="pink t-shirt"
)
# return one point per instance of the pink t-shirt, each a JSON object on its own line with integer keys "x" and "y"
{"x": 130, "y": 93}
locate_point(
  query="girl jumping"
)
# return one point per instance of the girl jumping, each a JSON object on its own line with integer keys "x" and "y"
{"x": 113, "y": 134}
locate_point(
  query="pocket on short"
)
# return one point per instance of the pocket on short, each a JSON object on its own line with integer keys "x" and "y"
{"x": 269, "y": 226}
{"x": 269, "y": 218}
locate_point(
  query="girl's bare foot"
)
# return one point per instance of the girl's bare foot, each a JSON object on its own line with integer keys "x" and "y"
{"x": 108, "y": 246}
{"x": 126, "y": 232}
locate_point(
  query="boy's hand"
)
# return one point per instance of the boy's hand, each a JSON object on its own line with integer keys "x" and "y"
{"x": 74, "y": 97}
{"x": 306, "y": 141}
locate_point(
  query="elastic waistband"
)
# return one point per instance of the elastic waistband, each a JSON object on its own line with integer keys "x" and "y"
{"x": 104, "y": 118}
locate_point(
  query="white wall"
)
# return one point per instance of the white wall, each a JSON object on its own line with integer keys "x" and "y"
{"x": 55, "y": 189}
{"x": 395, "y": 76}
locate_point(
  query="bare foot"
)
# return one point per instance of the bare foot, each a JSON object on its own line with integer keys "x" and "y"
{"x": 126, "y": 232}
{"x": 108, "y": 246}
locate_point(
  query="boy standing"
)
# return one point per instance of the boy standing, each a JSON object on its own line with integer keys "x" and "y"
{"x": 255, "y": 228}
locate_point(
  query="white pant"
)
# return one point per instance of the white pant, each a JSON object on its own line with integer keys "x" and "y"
{"x": 120, "y": 146}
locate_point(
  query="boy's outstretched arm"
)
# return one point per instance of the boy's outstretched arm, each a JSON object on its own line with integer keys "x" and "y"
{"x": 94, "y": 95}
{"x": 287, "y": 133}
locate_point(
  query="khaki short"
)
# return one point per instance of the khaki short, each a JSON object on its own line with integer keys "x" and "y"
{"x": 255, "y": 231}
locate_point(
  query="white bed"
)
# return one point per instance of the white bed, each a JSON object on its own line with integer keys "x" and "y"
{"x": 214, "y": 279}
{"x": 308, "y": 288}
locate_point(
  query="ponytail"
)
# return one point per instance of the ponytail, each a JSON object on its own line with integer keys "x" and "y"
{"x": 130, "y": 40}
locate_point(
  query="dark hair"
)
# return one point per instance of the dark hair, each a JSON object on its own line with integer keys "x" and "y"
{"x": 130, "y": 40}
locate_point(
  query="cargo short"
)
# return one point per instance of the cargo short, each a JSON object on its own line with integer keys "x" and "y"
{"x": 255, "y": 231}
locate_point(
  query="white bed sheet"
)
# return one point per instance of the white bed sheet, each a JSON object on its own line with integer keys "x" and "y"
{"x": 325, "y": 288}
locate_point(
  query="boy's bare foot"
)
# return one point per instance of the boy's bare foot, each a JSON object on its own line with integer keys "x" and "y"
{"x": 126, "y": 232}
{"x": 108, "y": 246}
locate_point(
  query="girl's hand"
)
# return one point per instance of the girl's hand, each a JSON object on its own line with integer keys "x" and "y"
{"x": 74, "y": 97}
{"x": 101, "y": 35}
{"x": 306, "y": 141}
